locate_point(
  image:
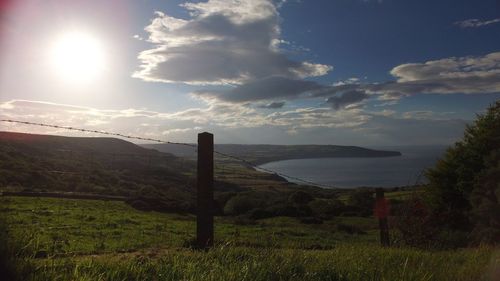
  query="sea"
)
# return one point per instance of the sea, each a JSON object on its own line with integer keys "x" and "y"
{"x": 406, "y": 170}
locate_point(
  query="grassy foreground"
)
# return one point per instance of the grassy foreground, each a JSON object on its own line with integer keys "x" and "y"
{"x": 64, "y": 239}
{"x": 226, "y": 263}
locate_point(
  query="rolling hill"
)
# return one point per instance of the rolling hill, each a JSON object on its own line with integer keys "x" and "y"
{"x": 106, "y": 166}
{"x": 114, "y": 167}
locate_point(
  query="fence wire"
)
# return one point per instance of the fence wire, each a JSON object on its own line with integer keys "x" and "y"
{"x": 239, "y": 159}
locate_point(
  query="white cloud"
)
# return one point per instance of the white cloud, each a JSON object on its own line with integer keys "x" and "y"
{"x": 239, "y": 11}
{"x": 216, "y": 114}
{"x": 449, "y": 68}
{"x": 224, "y": 42}
{"x": 238, "y": 123}
{"x": 468, "y": 75}
{"x": 314, "y": 117}
{"x": 184, "y": 130}
{"x": 472, "y": 23}
{"x": 455, "y": 75}
{"x": 426, "y": 115}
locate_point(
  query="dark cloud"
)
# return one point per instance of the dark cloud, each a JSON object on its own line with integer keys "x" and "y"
{"x": 346, "y": 99}
{"x": 273, "y": 105}
{"x": 265, "y": 89}
{"x": 272, "y": 88}
{"x": 468, "y": 75}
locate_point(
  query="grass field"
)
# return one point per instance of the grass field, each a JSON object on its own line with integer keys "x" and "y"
{"x": 66, "y": 239}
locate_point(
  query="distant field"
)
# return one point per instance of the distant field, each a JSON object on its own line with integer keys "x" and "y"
{"x": 52, "y": 226}
{"x": 65, "y": 239}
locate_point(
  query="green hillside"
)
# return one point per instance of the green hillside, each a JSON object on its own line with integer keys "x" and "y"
{"x": 106, "y": 166}
{"x": 113, "y": 167}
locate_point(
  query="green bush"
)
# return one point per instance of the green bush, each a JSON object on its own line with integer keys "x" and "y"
{"x": 326, "y": 208}
{"x": 220, "y": 200}
{"x": 241, "y": 204}
{"x": 363, "y": 200}
{"x": 300, "y": 198}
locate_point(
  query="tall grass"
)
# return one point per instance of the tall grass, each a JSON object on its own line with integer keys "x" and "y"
{"x": 61, "y": 239}
{"x": 226, "y": 263}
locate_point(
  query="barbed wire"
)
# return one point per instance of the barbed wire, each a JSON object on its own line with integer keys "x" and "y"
{"x": 95, "y": 131}
{"x": 248, "y": 163}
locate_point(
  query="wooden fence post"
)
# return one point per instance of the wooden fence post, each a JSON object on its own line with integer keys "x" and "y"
{"x": 382, "y": 211}
{"x": 205, "y": 191}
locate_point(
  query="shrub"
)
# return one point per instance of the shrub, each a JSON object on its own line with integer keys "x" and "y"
{"x": 415, "y": 224}
{"x": 363, "y": 200}
{"x": 326, "y": 208}
{"x": 220, "y": 200}
{"x": 240, "y": 204}
{"x": 300, "y": 198}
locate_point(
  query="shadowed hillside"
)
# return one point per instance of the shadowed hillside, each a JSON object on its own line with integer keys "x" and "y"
{"x": 105, "y": 166}
{"x": 114, "y": 167}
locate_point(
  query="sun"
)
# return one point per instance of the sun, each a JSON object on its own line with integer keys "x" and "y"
{"x": 77, "y": 57}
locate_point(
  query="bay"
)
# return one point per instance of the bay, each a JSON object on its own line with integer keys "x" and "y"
{"x": 404, "y": 170}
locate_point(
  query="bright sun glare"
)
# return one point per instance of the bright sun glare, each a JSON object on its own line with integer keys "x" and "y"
{"x": 77, "y": 57}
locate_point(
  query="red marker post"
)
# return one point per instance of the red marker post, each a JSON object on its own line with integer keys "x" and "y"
{"x": 382, "y": 212}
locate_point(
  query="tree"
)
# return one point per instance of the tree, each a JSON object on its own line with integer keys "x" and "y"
{"x": 463, "y": 187}
{"x": 485, "y": 198}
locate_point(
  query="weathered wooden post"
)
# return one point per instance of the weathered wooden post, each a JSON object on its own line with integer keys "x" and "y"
{"x": 205, "y": 191}
{"x": 382, "y": 211}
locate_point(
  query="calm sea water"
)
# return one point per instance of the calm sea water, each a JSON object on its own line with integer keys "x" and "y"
{"x": 370, "y": 172}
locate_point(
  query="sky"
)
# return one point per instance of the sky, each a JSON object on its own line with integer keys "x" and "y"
{"x": 346, "y": 72}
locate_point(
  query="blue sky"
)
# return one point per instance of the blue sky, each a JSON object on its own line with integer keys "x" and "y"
{"x": 361, "y": 72}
